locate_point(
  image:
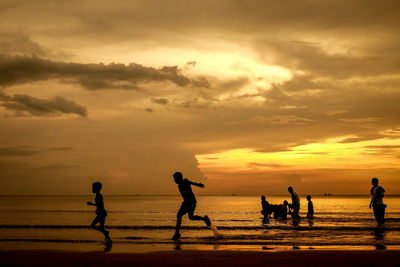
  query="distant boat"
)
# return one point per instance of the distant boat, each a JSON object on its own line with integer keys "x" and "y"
{"x": 327, "y": 195}
{"x": 233, "y": 194}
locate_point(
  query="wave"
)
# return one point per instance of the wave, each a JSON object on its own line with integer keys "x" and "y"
{"x": 58, "y": 211}
{"x": 205, "y": 241}
{"x": 172, "y": 227}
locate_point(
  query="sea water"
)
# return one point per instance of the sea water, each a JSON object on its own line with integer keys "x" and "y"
{"x": 147, "y": 223}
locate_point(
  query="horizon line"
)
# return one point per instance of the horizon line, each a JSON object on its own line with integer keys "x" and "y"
{"x": 177, "y": 195}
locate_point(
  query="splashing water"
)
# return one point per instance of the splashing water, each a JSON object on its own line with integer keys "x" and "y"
{"x": 216, "y": 234}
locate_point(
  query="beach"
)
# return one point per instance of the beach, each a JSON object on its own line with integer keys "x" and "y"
{"x": 201, "y": 258}
{"x": 53, "y": 231}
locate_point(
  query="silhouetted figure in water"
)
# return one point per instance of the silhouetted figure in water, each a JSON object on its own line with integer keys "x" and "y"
{"x": 188, "y": 204}
{"x": 295, "y": 203}
{"x": 310, "y": 212}
{"x": 281, "y": 210}
{"x": 101, "y": 213}
{"x": 266, "y": 208}
{"x": 376, "y": 203}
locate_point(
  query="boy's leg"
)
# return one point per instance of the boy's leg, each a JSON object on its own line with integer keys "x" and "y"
{"x": 182, "y": 211}
{"x": 100, "y": 228}
{"x": 94, "y": 222}
{"x": 295, "y": 214}
{"x": 196, "y": 217}
{"x": 376, "y": 213}
{"x": 380, "y": 213}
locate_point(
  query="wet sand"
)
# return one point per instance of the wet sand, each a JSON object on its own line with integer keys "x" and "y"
{"x": 201, "y": 258}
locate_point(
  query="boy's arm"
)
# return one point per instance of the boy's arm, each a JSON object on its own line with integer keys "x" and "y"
{"x": 372, "y": 200}
{"x": 96, "y": 202}
{"x": 196, "y": 184}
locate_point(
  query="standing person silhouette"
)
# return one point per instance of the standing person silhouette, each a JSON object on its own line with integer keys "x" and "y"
{"x": 310, "y": 207}
{"x": 295, "y": 203}
{"x": 376, "y": 203}
{"x": 101, "y": 213}
{"x": 188, "y": 204}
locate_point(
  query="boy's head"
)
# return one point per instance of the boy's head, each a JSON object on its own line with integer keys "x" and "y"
{"x": 285, "y": 203}
{"x": 290, "y": 189}
{"x": 375, "y": 181}
{"x": 308, "y": 197}
{"x": 178, "y": 177}
{"x": 96, "y": 187}
{"x": 263, "y": 198}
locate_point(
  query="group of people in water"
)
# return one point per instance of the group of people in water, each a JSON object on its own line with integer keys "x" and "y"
{"x": 279, "y": 211}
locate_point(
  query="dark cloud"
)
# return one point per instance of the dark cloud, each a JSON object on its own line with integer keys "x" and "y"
{"x": 257, "y": 165}
{"x": 23, "y": 69}
{"x": 161, "y": 101}
{"x": 24, "y": 104}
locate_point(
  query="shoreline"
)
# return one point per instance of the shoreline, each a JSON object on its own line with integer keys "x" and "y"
{"x": 202, "y": 258}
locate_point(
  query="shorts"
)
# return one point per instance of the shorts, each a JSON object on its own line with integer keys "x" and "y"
{"x": 187, "y": 207}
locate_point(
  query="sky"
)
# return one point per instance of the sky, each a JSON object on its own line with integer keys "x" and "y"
{"x": 248, "y": 97}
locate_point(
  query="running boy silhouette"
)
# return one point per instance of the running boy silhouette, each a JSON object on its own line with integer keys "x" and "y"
{"x": 101, "y": 213}
{"x": 188, "y": 204}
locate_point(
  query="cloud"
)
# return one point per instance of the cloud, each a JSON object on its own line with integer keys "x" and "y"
{"x": 365, "y": 137}
{"x": 23, "y": 69}
{"x": 383, "y": 146}
{"x": 343, "y": 56}
{"x": 281, "y": 119}
{"x": 27, "y": 151}
{"x": 15, "y": 43}
{"x": 292, "y": 179}
{"x": 265, "y": 165}
{"x": 161, "y": 101}
{"x": 312, "y": 58}
{"x": 24, "y": 104}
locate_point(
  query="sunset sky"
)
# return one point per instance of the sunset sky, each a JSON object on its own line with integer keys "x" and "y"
{"x": 246, "y": 96}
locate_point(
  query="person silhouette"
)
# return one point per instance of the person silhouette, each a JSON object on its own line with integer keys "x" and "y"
{"x": 101, "y": 213}
{"x": 295, "y": 203}
{"x": 310, "y": 206}
{"x": 376, "y": 203}
{"x": 189, "y": 203}
{"x": 266, "y": 208}
{"x": 281, "y": 210}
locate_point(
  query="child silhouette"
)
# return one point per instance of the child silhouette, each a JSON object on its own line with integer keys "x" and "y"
{"x": 101, "y": 213}
{"x": 188, "y": 204}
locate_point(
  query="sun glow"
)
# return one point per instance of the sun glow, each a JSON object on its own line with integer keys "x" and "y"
{"x": 333, "y": 153}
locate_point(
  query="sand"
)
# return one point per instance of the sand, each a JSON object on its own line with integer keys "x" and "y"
{"x": 201, "y": 258}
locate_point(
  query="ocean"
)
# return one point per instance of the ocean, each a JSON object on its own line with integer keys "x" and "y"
{"x": 147, "y": 223}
